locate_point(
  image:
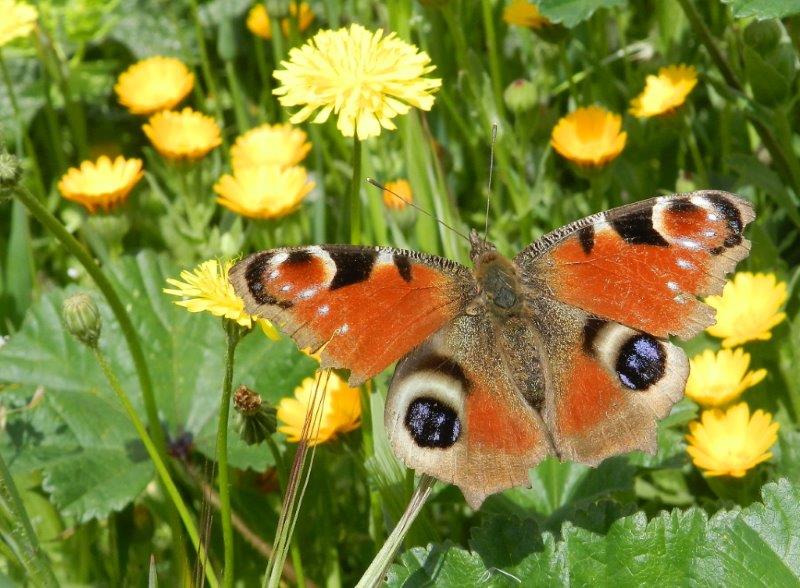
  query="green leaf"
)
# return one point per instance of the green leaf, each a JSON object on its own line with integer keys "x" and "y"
{"x": 764, "y": 8}
{"x": 149, "y": 28}
{"x": 755, "y": 546}
{"x": 89, "y": 453}
{"x": 572, "y": 12}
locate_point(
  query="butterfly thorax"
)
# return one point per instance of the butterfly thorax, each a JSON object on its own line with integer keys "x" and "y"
{"x": 498, "y": 284}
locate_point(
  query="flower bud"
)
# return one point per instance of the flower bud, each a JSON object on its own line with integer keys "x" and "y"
{"x": 10, "y": 170}
{"x": 256, "y": 419}
{"x": 763, "y": 35}
{"x": 82, "y": 318}
{"x": 520, "y": 95}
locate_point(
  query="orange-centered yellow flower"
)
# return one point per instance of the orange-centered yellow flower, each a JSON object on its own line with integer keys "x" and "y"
{"x": 182, "y": 135}
{"x": 102, "y": 183}
{"x": 258, "y": 21}
{"x": 750, "y": 306}
{"x": 18, "y": 20}
{"x": 394, "y": 189}
{"x": 340, "y": 405}
{"x": 524, "y": 14}
{"x": 665, "y": 92}
{"x": 364, "y": 78}
{"x": 283, "y": 145}
{"x": 206, "y": 289}
{"x": 731, "y": 442}
{"x": 716, "y": 379}
{"x": 153, "y": 84}
{"x": 265, "y": 191}
{"x": 590, "y": 136}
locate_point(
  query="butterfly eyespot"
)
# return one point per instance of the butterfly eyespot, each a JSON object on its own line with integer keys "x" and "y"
{"x": 641, "y": 362}
{"x": 432, "y": 423}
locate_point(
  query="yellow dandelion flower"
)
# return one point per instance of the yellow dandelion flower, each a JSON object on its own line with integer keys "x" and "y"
{"x": 728, "y": 443}
{"x": 19, "y": 20}
{"x": 207, "y": 289}
{"x": 102, "y": 183}
{"x": 403, "y": 189}
{"x": 266, "y": 191}
{"x": 341, "y": 409}
{"x": 715, "y": 379}
{"x": 258, "y": 20}
{"x": 154, "y": 84}
{"x": 364, "y": 78}
{"x": 282, "y": 145}
{"x": 750, "y": 306}
{"x": 589, "y": 136}
{"x": 665, "y": 92}
{"x": 524, "y": 14}
{"x": 182, "y": 135}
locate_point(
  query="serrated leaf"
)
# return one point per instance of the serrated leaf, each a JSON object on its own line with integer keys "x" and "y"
{"x": 573, "y": 12}
{"x": 764, "y": 8}
{"x": 88, "y": 451}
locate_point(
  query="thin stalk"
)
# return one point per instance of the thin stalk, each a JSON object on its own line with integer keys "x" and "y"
{"x": 239, "y": 106}
{"x": 161, "y": 468}
{"x": 234, "y": 335}
{"x": 354, "y": 201}
{"x": 376, "y": 571}
{"x": 205, "y": 63}
{"x": 53, "y": 127}
{"x": 494, "y": 58}
{"x": 23, "y": 536}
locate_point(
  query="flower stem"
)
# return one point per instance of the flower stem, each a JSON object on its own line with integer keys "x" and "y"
{"x": 21, "y": 538}
{"x": 494, "y": 59}
{"x": 234, "y": 335}
{"x": 354, "y": 203}
{"x": 161, "y": 468}
{"x": 374, "y": 574}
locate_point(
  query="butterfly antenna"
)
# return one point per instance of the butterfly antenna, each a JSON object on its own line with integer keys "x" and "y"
{"x": 489, "y": 189}
{"x": 412, "y": 205}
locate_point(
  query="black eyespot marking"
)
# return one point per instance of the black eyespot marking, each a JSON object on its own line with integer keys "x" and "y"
{"x": 682, "y": 205}
{"x": 352, "y": 265}
{"x": 733, "y": 220}
{"x": 637, "y": 228}
{"x": 586, "y": 238}
{"x": 641, "y": 362}
{"x": 403, "y": 265}
{"x": 591, "y": 329}
{"x": 444, "y": 365}
{"x": 716, "y": 250}
{"x": 432, "y": 423}
{"x": 298, "y": 257}
{"x": 253, "y": 274}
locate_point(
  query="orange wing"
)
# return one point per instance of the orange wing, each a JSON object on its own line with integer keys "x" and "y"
{"x": 364, "y": 306}
{"x": 643, "y": 264}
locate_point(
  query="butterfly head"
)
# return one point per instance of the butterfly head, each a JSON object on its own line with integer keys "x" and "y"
{"x": 496, "y": 276}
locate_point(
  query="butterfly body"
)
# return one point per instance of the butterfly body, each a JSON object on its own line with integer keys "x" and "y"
{"x": 562, "y": 350}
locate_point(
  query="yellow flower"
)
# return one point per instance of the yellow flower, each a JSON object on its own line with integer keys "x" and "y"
{"x": 153, "y": 84}
{"x": 589, "y": 136}
{"x": 524, "y": 14}
{"x": 731, "y": 442}
{"x": 265, "y": 191}
{"x": 206, "y": 289}
{"x": 18, "y": 20}
{"x": 102, "y": 183}
{"x": 749, "y": 307}
{"x": 401, "y": 188}
{"x": 341, "y": 408}
{"x": 282, "y": 145}
{"x": 718, "y": 378}
{"x": 258, "y": 20}
{"x": 364, "y": 78}
{"x": 182, "y": 135}
{"x": 665, "y": 92}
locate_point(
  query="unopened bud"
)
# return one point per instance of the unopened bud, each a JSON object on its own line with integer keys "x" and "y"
{"x": 256, "y": 420}
{"x": 10, "y": 170}
{"x": 82, "y": 318}
{"x": 520, "y": 95}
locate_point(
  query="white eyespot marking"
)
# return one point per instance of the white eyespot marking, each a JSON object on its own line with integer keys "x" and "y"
{"x": 384, "y": 258}
{"x": 672, "y": 286}
{"x": 702, "y": 202}
{"x": 307, "y": 293}
{"x": 344, "y": 329}
{"x": 323, "y": 310}
{"x": 688, "y": 244}
{"x": 280, "y": 258}
{"x": 684, "y": 263}
{"x": 286, "y": 287}
{"x": 273, "y": 274}
{"x": 709, "y": 233}
{"x": 712, "y": 217}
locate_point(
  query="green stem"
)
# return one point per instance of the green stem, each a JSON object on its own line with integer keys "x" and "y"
{"x": 234, "y": 335}
{"x": 53, "y": 126}
{"x": 205, "y": 63}
{"x": 494, "y": 59}
{"x": 239, "y": 106}
{"x": 24, "y": 543}
{"x": 354, "y": 202}
{"x": 161, "y": 468}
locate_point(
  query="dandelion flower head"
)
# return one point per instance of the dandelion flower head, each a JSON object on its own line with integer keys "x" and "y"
{"x": 18, "y": 20}
{"x": 523, "y": 13}
{"x": 364, "y": 78}
{"x": 716, "y": 379}
{"x": 590, "y": 136}
{"x": 282, "y": 145}
{"x": 750, "y": 306}
{"x": 101, "y": 184}
{"x": 401, "y": 188}
{"x": 665, "y": 92}
{"x": 182, "y": 135}
{"x": 154, "y": 84}
{"x": 258, "y": 21}
{"x": 264, "y": 191}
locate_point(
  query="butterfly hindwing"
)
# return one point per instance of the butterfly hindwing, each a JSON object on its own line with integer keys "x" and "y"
{"x": 643, "y": 264}
{"x": 365, "y": 306}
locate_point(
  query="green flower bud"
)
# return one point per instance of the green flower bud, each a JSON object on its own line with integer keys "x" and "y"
{"x": 82, "y": 318}
{"x": 763, "y": 35}
{"x": 520, "y": 95}
{"x": 256, "y": 420}
{"x": 10, "y": 170}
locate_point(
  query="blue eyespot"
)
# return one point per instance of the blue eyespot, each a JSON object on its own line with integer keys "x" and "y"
{"x": 641, "y": 362}
{"x": 432, "y": 423}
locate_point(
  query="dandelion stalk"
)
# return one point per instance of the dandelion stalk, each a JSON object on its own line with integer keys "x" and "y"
{"x": 234, "y": 334}
{"x": 354, "y": 202}
{"x": 376, "y": 571}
